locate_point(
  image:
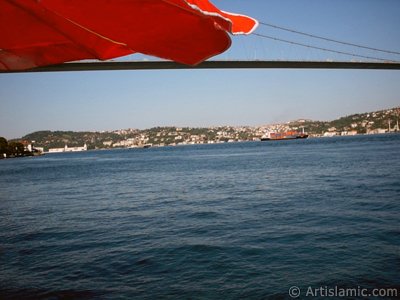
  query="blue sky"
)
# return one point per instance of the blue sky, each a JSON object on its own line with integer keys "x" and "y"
{"x": 141, "y": 99}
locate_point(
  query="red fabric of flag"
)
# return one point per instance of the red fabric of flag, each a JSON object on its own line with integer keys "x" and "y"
{"x": 44, "y": 32}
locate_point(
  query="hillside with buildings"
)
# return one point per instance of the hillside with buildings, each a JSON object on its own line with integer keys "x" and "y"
{"x": 365, "y": 123}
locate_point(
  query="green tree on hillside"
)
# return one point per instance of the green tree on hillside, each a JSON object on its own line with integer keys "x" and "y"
{"x": 3, "y": 147}
{"x": 15, "y": 149}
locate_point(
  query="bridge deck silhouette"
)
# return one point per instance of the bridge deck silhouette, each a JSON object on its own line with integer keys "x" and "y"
{"x": 213, "y": 64}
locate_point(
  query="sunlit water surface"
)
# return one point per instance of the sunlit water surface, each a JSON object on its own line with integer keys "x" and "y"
{"x": 226, "y": 221}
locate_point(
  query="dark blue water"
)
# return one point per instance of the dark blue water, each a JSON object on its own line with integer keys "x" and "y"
{"x": 228, "y": 221}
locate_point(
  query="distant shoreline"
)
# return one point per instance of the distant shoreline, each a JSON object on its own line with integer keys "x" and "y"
{"x": 220, "y": 143}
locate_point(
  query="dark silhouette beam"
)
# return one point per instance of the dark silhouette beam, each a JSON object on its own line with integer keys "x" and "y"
{"x": 169, "y": 65}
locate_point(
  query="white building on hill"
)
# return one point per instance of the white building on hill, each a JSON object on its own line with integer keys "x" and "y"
{"x": 68, "y": 149}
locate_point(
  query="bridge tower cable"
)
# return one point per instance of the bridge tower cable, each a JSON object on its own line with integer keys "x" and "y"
{"x": 328, "y": 39}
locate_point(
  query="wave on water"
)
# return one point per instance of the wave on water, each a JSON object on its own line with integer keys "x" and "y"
{"x": 233, "y": 221}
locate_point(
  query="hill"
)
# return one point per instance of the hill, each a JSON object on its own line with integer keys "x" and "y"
{"x": 371, "y": 122}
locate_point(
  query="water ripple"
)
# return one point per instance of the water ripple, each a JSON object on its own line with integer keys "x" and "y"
{"x": 234, "y": 221}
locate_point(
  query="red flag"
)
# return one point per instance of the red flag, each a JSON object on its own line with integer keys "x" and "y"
{"x": 37, "y": 33}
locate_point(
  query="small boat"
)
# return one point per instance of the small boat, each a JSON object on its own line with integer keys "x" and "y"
{"x": 288, "y": 135}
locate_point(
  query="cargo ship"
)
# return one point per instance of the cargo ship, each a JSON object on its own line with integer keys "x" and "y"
{"x": 288, "y": 135}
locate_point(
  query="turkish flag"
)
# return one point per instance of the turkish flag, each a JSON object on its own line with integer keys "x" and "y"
{"x": 44, "y": 32}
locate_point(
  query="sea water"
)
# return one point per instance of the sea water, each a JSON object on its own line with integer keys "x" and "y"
{"x": 227, "y": 221}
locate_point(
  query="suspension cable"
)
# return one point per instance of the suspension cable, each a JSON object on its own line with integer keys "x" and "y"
{"x": 320, "y": 48}
{"x": 328, "y": 39}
